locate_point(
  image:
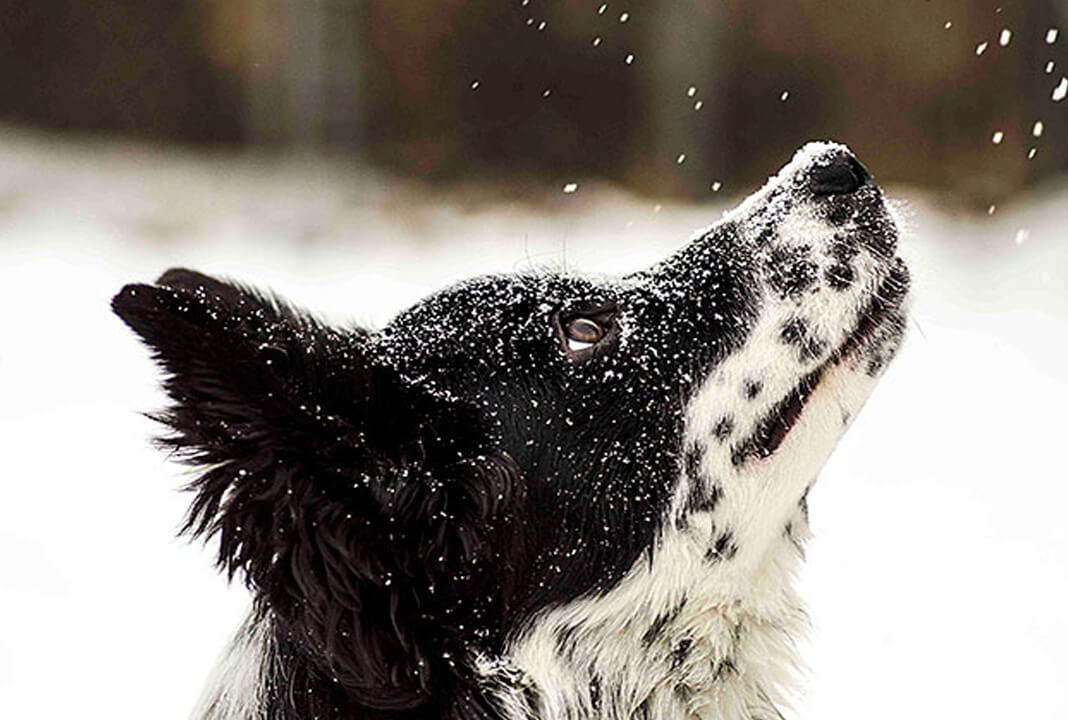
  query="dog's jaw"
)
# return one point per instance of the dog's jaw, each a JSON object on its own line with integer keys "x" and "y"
{"x": 765, "y": 420}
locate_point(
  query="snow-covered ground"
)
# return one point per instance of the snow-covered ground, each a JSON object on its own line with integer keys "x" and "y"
{"x": 938, "y": 578}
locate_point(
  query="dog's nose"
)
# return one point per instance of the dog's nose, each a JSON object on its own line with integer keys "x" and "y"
{"x": 841, "y": 174}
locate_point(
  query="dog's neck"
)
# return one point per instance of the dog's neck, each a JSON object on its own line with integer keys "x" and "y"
{"x": 677, "y": 639}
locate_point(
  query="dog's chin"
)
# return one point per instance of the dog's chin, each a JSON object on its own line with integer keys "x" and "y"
{"x": 837, "y": 388}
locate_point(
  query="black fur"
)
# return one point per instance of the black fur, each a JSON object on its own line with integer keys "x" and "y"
{"x": 680, "y": 652}
{"x": 660, "y": 622}
{"x": 724, "y": 428}
{"x": 368, "y": 487}
{"x": 723, "y": 548}
{"x": 354, "y": 505}
{"x": 791, "y": 270}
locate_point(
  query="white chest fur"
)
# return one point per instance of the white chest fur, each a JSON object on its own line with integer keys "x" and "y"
{"x": 675, "y": 640}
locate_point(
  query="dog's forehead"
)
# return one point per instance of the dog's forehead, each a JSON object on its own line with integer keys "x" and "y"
{"x": 491, "y": 304}
{"x": 480, "y": 318}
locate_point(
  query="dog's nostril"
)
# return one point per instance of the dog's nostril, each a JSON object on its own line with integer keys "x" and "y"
{"x": 841, "y": 176}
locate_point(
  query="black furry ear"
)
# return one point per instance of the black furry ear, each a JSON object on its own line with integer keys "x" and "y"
{"x": 241, "y": 366}
{"x": 367, "y": 515}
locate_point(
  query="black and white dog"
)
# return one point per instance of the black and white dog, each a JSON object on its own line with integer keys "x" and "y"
{"x": 534, "y": 496}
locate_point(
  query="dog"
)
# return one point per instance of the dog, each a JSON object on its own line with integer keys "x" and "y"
{"x": 534, "y": 496}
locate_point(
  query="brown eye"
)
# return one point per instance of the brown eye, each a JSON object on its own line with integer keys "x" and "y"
{"x": 579, "y": 333}
{"x": 584, "y": 331}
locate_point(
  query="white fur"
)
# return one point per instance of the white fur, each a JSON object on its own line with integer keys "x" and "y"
{"x": 234, "y": 690}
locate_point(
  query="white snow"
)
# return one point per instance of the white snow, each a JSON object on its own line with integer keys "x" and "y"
{"x": 936, "y": 581}
{"x": 1061, "y": 91}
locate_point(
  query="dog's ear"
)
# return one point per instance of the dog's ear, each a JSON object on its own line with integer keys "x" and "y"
{"x": 367, "y": 516}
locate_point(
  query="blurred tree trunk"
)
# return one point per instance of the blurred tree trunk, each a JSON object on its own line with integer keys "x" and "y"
{"x": 685, "y": 45}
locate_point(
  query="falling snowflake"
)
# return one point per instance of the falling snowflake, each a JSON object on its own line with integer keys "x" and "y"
{"x": 997, "y": 137}
{"x": 948, "y": 25}
{"x": 1021, "y": 235}
{"x": 624, "y": 17}
{"x": 681, "y": 158}
{"x": 785, "y": 96}
{"x": 716, "y": 186}
{"x": 629, "y": 59}
{"x": 1061, "y": 90}
{"x": 1051, "y": 36}
{"x": 691, "y": 91}
{"x": 981, "y": 48}
{"x": 1005, "y": 38}
{"x": 1038, "y": 128}
{"x": 570, "y": 187}
{"x": 699, "y": 104}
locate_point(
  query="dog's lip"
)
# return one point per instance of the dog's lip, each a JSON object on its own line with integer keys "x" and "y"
{"x": 773, "y": 428}
{"x": 776, "y": 425}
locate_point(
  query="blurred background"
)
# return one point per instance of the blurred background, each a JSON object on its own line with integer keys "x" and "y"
{"x": 514, "y": 92}
{"x": 355, "y": 155}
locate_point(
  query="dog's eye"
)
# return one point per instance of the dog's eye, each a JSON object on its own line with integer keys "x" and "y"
{"x": 586, "y": 330}
{"x": 582, "y": 332}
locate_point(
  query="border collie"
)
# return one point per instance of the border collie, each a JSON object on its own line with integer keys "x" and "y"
{"x": 534, "y": 496}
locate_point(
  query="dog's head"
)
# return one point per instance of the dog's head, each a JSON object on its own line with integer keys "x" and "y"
{"x": 400, "y": 499}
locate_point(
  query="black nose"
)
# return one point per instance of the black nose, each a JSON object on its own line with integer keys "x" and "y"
{"x": 842, "y": 175}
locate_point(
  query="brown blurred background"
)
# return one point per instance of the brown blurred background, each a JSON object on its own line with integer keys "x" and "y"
{"x": 534, "y": 93}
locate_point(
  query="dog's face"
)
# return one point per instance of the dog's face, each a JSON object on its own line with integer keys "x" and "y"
{"x": 403, "y": 500}
{"x": 603, "y": 390}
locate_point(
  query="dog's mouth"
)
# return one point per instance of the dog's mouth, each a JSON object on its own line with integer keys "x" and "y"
{"x": 772, "y": 430}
